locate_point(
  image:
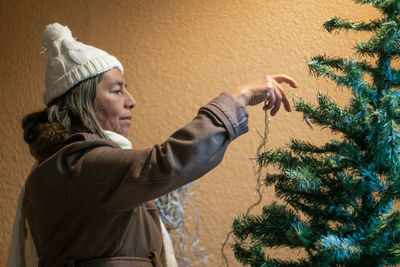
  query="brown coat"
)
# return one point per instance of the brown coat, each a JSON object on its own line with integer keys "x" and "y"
{"x": 89, "y": 203}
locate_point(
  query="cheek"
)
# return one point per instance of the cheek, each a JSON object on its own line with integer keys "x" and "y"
{"x": 105, "y": 113}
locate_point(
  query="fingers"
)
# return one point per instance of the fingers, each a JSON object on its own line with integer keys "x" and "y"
{"x": 276, "y": 94}
{"x": 267, "y": 89}
{"x": 271, "y": 97}
{"x": 275, "y": 98}
{"x": 278, "y": 100}
{"x": 282, "y": 78}
{"x": 285, "y": 100}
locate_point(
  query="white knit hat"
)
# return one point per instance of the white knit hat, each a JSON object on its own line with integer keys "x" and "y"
{"x": 70, "y": 62}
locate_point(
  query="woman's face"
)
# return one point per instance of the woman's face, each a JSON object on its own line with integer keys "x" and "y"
{"x": 113, "y": 103}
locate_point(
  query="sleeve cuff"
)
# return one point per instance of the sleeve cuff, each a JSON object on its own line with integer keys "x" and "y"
{"x": 232, "y": 114}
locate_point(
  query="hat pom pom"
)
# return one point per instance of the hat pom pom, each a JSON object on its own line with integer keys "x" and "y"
{"x": 54, "y": 32}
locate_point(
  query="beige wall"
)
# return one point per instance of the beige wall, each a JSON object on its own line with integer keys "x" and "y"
{"x": 177, "y": 56}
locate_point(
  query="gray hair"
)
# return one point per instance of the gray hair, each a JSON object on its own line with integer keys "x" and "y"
{"x": 73, "y": 112}
{"x": 75, "y": 108}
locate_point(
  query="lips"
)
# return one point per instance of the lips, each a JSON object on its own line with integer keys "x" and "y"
{"x": 126, "y": 119}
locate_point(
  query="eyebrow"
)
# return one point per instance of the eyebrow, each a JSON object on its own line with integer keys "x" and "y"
{"x": 120, "y": 83}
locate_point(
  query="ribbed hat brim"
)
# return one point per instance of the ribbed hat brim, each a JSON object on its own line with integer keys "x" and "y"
{"x": 91, "y": 68}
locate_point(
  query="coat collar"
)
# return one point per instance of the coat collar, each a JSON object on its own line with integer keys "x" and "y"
{"x": 118, "y": 139}
{"x": 49, "y": 135}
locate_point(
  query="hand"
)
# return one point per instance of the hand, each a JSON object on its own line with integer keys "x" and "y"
{"x": 266, "y": 89}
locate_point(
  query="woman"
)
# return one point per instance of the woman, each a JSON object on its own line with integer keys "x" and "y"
{"x": 89, "y": 202}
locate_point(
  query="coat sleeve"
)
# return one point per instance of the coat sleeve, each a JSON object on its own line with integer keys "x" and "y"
{"x": 119, "y": 179}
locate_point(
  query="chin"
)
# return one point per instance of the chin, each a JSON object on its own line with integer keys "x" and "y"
{"x": 124, "y": 133}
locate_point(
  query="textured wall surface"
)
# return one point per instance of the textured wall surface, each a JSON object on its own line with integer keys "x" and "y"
{"x": 177, "y": 56}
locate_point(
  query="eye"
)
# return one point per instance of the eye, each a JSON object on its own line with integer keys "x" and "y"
{"x": 116, "y": 91}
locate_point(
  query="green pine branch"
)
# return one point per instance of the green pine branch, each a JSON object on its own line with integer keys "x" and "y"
{"x": 323, "y": 205}
{"x": 341, "y": 249}
{"x": 395, "y": 79}
{"x": 384, "y": 238}
{"x": 339, "y": 197}
{"x": 285, "y": 160}
{"x": 267, "y": 228}
{"x": 322, "y": 66}
{"x": 300, "y": 147}
{"x": 391, "y": 8}
{"x": 384, "y": 42}
{"x": 329, "y": 114}
{"x": 255, "y": 257}
{"x": 337, "y": 23}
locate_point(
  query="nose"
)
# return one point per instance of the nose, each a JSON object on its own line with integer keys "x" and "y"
{"x": 130, "y": 102}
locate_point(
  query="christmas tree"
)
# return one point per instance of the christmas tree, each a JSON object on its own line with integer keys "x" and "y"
{"x": 339, "y": 198}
